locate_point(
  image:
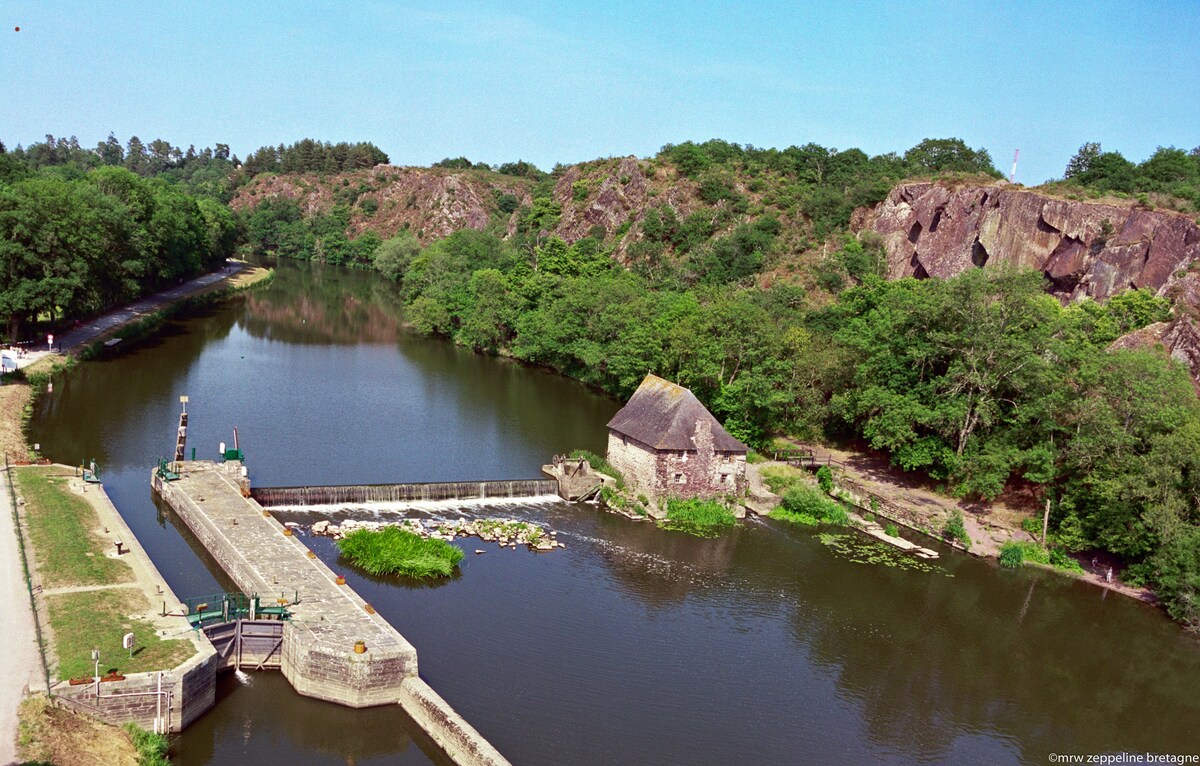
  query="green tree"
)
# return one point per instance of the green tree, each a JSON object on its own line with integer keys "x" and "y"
{"x": 1082, "y": 162}
{"x": 395, "y": 255}
{"x": 939, "y": 155}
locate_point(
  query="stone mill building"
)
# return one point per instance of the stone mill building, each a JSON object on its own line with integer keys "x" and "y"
{"x": 666, "y": 442}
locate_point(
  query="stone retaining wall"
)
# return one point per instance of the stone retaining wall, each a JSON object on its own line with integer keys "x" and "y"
{"x": 188, "y": 691}
{"x": 447, "y": 728}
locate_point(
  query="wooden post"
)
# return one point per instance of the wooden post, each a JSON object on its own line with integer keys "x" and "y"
{"x": 1045, "y": 522}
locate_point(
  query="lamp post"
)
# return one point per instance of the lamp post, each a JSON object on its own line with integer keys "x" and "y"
{"x": 96, "y": 659}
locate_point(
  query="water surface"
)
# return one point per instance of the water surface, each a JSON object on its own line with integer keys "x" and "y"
{"x": 632, "y": 645}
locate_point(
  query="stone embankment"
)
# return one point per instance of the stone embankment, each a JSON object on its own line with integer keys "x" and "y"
{"x": 504, "y": 532}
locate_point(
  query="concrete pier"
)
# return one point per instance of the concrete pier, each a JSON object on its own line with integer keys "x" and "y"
{"x": 319, "y": 656}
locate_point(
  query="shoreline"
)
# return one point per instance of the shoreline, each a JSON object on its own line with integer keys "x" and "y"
{"x": 922, "y": 512}
{"x": 17, "y": 398}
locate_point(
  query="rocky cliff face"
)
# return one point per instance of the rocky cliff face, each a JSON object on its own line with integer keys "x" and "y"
{"x": 1084, "y": 249}
{"x": 606, "y": 198}
{"x": 430, "y": 202}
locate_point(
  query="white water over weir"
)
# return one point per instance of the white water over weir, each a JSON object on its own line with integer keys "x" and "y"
{"x": 269, "y": 497}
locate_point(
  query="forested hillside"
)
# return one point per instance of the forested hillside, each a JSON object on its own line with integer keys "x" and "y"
{"x": 76, "y": 241}
{"x": 736, "y": 272}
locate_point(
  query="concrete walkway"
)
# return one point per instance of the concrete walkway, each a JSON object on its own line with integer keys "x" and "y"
{"x": 20, "y": 639}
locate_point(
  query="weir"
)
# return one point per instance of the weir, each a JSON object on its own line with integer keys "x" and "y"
{"x": 275, "y": 497}
{"x": 334, "y": 646}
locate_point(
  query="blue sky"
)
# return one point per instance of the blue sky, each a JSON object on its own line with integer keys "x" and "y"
{"x": 565, "y": 81}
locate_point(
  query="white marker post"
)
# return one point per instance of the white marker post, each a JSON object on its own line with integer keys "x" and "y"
{"x": 127, "y": 642}
{"x": 50, "y": 342}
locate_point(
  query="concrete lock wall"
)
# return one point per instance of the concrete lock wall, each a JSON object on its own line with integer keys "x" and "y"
{"x": 318, "y": 654}
{"x": 188, "y": 691}
{"x": 446, "y": 727}
{"x": 337, "y": 674}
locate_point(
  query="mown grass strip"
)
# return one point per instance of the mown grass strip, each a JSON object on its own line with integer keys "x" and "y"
{"x": 99, "y": 619}
{"x": 66, "y": 548}
{"x": 398, "y": 551}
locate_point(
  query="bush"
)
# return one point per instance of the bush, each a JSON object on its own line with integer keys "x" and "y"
{"x": 398, "y": 551}
{"x": 891, "y": 531}
{"x": 779, "y": 478}
{"x": 955, "y": 529}
{"x": 702, "y": 518}
{"x": 1032, "y": 525}
{"x": 1060, "y": 560}
{"x": 1012, "y": 555}
{"x": 599, "y": 464}
{"x": 825, "y": 479}
{"x": 801, "y": 504}
{"x": 151, "y": 748}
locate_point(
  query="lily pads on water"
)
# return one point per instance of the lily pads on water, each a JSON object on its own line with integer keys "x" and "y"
{"x": 860, "y": 550}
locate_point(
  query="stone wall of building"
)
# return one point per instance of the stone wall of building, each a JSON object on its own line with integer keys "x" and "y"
{"x": 635, "y": 461}
{"x": 702, "y": 472}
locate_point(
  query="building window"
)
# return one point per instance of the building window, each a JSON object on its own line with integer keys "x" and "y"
{"x": 679, "y": 478}
{"x": 683, "y": 455}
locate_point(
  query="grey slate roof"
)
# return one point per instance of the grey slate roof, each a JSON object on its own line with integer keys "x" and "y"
{"x": 664, "y": 416}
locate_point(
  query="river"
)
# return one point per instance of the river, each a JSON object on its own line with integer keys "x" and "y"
{"x": 633, "y": 645}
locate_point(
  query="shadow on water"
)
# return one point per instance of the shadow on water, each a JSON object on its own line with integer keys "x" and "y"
{"x": 260, "y": 719}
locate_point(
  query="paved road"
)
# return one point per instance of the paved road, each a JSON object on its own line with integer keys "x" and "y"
{"x": 96, "y": 327}
{"x": 20, "y": 639}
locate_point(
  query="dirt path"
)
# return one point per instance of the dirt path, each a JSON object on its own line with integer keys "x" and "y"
{"x": 98, "y": 326}
{"x": 23, "y": 666}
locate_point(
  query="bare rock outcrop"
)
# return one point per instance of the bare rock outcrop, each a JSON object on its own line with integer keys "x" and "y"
{"x": 1085, "y": 249}
{"x": 430, "y": 202}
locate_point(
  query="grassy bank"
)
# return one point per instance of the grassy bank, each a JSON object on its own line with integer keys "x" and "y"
{"x": 17, "y": 395}
{"x": 397, "y": 551}
{"x": 69, "y": 552}
{"x": 47, "y": 734}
